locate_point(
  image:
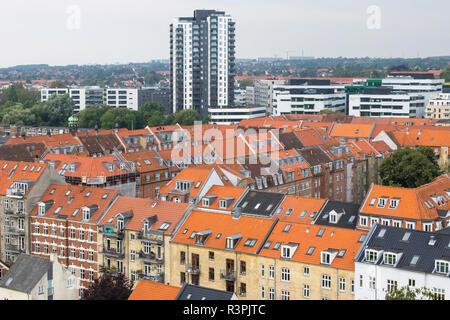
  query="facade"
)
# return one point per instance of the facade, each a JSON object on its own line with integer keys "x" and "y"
{"x": 22, "y": 185}
{"x": 392, "y": 258}
{"x": 250, "y": 96}
{"x": 202, "y": 58}
{"x": 35, "y": 278}
{"x": 134, "y": 237}
{"x": 263, "y": 93}
{"x": 424, "y": 208}
{"x": 308, "y": 96}
{"x": 439, "y": 107}
{"x": 232, "y": 115}
{"x": 64, "y": 223}
{"x": 387, "y": 102}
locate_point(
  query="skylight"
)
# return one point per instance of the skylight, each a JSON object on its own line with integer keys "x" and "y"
{"x": 164, "y": 226}
{"x": 287, "y": 228}
{"x": 304, "y": 213}
{"x": 218, "y": 236}
{"x": 279, "y": 210}
{"x": 310, "y": 251}
{"x": 39, "y": 169}
{"x": 250, "y": 243}
{"x": 32, "y": 168}
{"x": 257, "y": 205}
{"x": 414, "y": 260}
{"x": 88, "y": 194}
{"x": 362, "y": 238}
{"x": 381, "y": 233}
{"x": 342, "y": 253}
{"x": 268, "y": 244}
{"x": 288, "y": 212}
{"x": 75, "y": 212}
{"x": 320, "y": 233}
{"x": 277, "y": 246}
{"x": 25, "y": 168}
{"x": 352, "y": 218}
{"x": 185, "y": 231}
{"x": 406, "y": 236}
{"x": 270, "y": 206}
{"x": 52, "y": 191}
{"x": 68, "y": 192}
{"x": 373, "y": 201}
{"x": 105, "y": 196}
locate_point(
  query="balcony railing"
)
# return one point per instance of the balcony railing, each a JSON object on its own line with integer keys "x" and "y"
{"x": 112, "y": 252}
{"x": 150, "y": 257}
{"x": 193, "y": 269}
{"x": 15, "y": 193}
{"x": 14, "y": 231}
{"x": 148, "y": 237}
{"x": 12, "y": 213}
{"x": 151, "y": 277}
{"x": 14, "y": 248}
{"x": 112, "y": 232}
{"x": 229, "y": 275}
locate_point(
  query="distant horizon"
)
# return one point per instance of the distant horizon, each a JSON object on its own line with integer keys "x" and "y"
{"x": 237, "y": 58}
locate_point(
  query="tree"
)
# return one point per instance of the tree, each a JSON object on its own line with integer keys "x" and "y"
{"x": 409, "y": 168}
{"x": 245, "y": 83}
{"x": 446, "y": 74}
{"x": 110, "y": 286}
{"x": 59, "y": 109}
{"x": 57, "y": 84}
{"x": 408, "y": 293}
{"x": 187, "y": 117}
{"x": 19, "y": 115}
{"x": 326, "y": 111}
{"x": 91, "y": 116}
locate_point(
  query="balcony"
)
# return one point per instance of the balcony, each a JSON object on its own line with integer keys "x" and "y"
{"x": 15, "y": 214}
{"x": 14, "y": 231}
{"x": 149, "y": 237}
{"x": 112, "y": 232}
{"x": 113, "y": 253}
{"x": 229, "y": 275}
{"x": 150, "y": 257}
{"x": 193, "y": 269}
{"x": 14, "y": 248}
{"x": 155, "y": 278}
{"x": 14, "y": 193}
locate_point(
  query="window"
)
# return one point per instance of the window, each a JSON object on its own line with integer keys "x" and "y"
{"x": 263, "y": 293}
{"x": 306, "y": 271}
{"x": 382, "y": 202}
{"x": 132, "y": 255}
{"x": 211, "y": 255}
{"x": 389, "y": 258}
{"x": 412, "y": 282}
{"x": 428, "y": 227}
{"x": 441, "y": 266}
{"x": 243, "y": 268}
{"x": 271, "y": 272}
{"x": 361, "y": 280}
{"x": 363, "y": 221}
{"x": 286, "y": 252}
{"x": 91, "y": 275}
{"x": 325, "y": 258}
{"x": 410, "y": 225}
{"x": 211, "y": 274}
{"x": 352, "y": 286}
{"x": 45, "y": 229}
{"x": 397, "y": 223}
{"x": 439, "y": 294}
{"x": 91, "y": 256}
{"x": 262, "y": 271}
{"x": 394, "y": 203}
{"x": 81, "y": 235}
{"x": 271, "y": 293}
{"x": 372, "y": 283}
{"x": 41, "y": 289}
{"x": 391, "y": 285}
{"x": 285, "y": 274}
{"x": 182, "y": 257}
{"x": 285, "y": 295}
{"x": 306, "y": 291}
{"x": 326, "y": 281}
{"x": 371, "y": 255}
{"x": 342, "y": 284}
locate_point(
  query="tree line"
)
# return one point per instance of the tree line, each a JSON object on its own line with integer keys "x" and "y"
{"x": 21, "y": 106}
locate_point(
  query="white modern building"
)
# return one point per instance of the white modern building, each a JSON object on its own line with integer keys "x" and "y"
{"x": 412, "y": 82}
{"x": 202, "y": 61}
{"x": 308, "y": 96}
{"x": 394, "y": 258}
{"x": 84, "y": 97}
{"x": 439, "y": 108}
{"x": 250, "y": 96}
{"x": 234, "y": 115}
{"x": 240, "y": 97}
{"x": 386, "y": 102}
{"x": 263, "y": 92}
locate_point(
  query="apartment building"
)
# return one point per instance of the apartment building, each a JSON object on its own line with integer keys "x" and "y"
{"x": 439, "y": 107}
{"x": 233, "y": 115}
{"x": 423, "y": 208}
{"x": 263, "y": 92}
{"x": 308, "y": 96}
{"x": 22, "y": 185}
{"x": 202, "y": 61}
{"x": 387, "y": 102}
{"x": 391, "y": 258}
{"x": 134, "y": 237}
{"x": 64, "y": 223}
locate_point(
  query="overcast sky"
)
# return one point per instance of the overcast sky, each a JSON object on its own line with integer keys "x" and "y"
{"x": 118, "y": 31}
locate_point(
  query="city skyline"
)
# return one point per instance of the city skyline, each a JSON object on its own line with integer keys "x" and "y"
{"x": 66, "y": 33}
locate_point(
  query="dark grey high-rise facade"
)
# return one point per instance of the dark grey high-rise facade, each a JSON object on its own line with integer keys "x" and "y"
{"x": 202, "y": 61}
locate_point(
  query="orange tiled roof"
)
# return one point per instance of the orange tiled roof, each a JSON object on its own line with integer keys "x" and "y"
{"x": 53, "y": 141}
{"x": 145, "y": 166}
{"x": 79, "y": 197}
{"x": 305, "y": 235}
{"x": 350, "y": 130}
{"x": 222, "y": 192}
{"x": 24, "y": 171}
{"x": 223, "y": 223}
{"x": 150, "y": 290}
{"x": 169, "y": 212}
{"x": 422, "y": 137}
{"x": 299, "y": 209}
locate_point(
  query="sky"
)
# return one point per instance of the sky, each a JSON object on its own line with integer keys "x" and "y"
{"x": 62, "y": 32}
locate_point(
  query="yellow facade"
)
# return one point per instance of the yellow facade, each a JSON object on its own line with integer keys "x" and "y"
{"x": 261, "y": 283}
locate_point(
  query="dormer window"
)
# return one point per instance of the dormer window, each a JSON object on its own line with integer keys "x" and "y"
{"x": 374, "y": 221}
{"x": 223, "y": 204}
{"x": 382, "y": 202}
{"x": 410, "y": 225}
{"x": 233, "y": 240}
{"x": 86, "y": 214}
{"x": 394, "y": 203}
{"x": 363, "y": 221}
{"x": 205, "y": 202}
{"x": 389, "y": 258}
{"x": 373, "y": 201}
{"x": 334, "y": 217}
{"x": 120, "y": 223}
{"x": 286, "y": 252}
{"x": 41, "y": 209}
{"x": 371, "y": 255}
{"x": 325, "y": 258}
{"x": 441, "y": 266}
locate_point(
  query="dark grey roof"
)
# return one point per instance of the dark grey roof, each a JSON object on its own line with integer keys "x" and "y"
{"x": 345, "y": 221}
{"x": 266, "y": 200}
{"x": 290, "y": 140}
{"x": 192, "y": 292}
{"x": 314, "y": 156}
{"x": 25, "y": 273}
{"x": 416, "y": 245}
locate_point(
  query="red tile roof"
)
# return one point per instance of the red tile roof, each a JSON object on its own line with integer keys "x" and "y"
{"x": 23, "y": 171}
{"x": 150, "y": 290}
